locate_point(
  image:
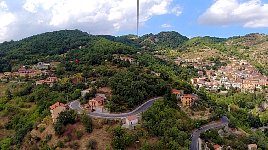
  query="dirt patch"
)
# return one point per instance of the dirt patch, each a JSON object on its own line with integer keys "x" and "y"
{"x": 76, "y": 134}
{"x": 5, "y": 133}
{"x": 106, "y": 90}
{"x": 203, "y": 115}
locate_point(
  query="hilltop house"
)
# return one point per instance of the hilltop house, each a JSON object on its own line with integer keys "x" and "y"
{"x": 49, "y": 81}
{"x": 252, "y": 147}
{"x": 23, "y": 72}
{"x": 97, "y": 103}
{"x": 56, "y": 109}
{"x": 188, "y": 100}
{"x": 43, "y": 66}
{"x": 178, "y": 93}
{"x": 217, "y": 147}
{"x": 132, "y": 120}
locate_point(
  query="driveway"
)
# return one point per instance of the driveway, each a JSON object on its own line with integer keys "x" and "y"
{"x": 76, "y": 106}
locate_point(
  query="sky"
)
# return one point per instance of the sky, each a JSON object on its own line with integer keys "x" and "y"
{"x": 221, "y": 18}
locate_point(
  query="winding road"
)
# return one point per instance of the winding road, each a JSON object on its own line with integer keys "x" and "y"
{"x": 196, "y": 134}
{"x": 76, "y": 106}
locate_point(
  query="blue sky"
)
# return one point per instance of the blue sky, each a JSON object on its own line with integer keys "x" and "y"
{"x": 221, "y": 18}
{"x": 187, "y": 23}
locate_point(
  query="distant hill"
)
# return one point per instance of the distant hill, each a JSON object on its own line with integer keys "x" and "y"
{"x": 163, "y": 40}
{"x": 34, "y": 48}
{"x": 252, "y": 47}
{"x": 202, "y": 42}
{"x": 52, "y": 44}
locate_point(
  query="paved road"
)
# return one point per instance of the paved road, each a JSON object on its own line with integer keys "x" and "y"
{"x": 260, "y": 128}
{"x": 196, "y": 134}
{"x": 76, "y": 106}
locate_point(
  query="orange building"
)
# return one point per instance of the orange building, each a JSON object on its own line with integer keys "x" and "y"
{"x": 188, "y": 100}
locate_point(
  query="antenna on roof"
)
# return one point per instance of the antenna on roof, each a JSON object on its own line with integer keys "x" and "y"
{"x": 138, "y": 16}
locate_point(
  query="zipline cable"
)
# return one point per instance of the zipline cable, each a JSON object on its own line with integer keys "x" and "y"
{"x": 138, "y": 16}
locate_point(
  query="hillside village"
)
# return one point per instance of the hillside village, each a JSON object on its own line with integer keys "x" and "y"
{"x": 239, "y": 74}
{"x": 131, "y": 98}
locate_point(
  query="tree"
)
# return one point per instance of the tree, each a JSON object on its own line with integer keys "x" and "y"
{"x": 8, "y": 94}
{"x": 59, "y": 128}
{"x": 121, "y": 139}
{"x": 87, "y": 122}
{"x": 67, "y": 117}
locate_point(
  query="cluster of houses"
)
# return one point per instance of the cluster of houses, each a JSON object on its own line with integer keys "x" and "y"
{"x": 22, "y": 72}
{"x": 219, "y": 147}
{"x": 125, "y": 58}
{"x": 37, "y": 70}
{"x": 197, "y": 63}
{"x": 187, "y": 100}
{"x": 238, "y": 74}
{"x": 48, "y": 81}
{"x": 95, "y": 104}
{"x": 40, "y": 69}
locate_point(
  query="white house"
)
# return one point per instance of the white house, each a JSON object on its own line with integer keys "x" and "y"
{"x": 132, "y": 120}
{"x": 43, "y": 66}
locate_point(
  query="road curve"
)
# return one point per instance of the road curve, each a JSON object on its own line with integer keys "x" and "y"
{"x": 76, "y": 106}
{"x": 196, "y": 134}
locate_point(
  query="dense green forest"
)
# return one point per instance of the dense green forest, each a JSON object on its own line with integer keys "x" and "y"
{"x": 43, "y": 47}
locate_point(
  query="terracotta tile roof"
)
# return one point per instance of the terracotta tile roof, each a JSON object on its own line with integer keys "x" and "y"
{"x": 133, "y": 117}
{"x": 175, "y": 91}
{"x": 189, "y": 96}
{"x": 57, "y": 104}
{"x": 99, "y": 99}
{"x": 216, "y": 146}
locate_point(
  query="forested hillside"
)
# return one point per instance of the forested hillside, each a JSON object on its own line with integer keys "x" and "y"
{"x": 129, "y": 71}
{"x": 131, "y": 74}
{"x": 40, "y": 47}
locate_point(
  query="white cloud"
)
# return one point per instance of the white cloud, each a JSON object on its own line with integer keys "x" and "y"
{"x": 7, "y": 18}
{"x": 250, "y": 13}
{"x": 177, "y": 10}
{"x": 3, "y": 5}
{"x": 166, "y": 25}
{"x": 94, "y": 16}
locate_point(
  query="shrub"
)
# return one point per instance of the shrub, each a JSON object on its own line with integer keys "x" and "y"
{"x": 87, "y": 122}
{"x": 60, "y": 144}
{"x": 92, "y": 144}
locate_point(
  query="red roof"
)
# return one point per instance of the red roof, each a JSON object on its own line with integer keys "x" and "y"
{"x": 133, "y": 117}
{"x": 189, "y": 96}
{"x": 22, "y": 69}
{"x": 99, "y": 99}
{"x": 216, "y": 146}
{"x": 57, "y": 104}
{"x": 175, "y": 91}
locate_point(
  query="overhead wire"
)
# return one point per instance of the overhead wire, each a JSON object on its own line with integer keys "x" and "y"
{"x": 138, "y": 16}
